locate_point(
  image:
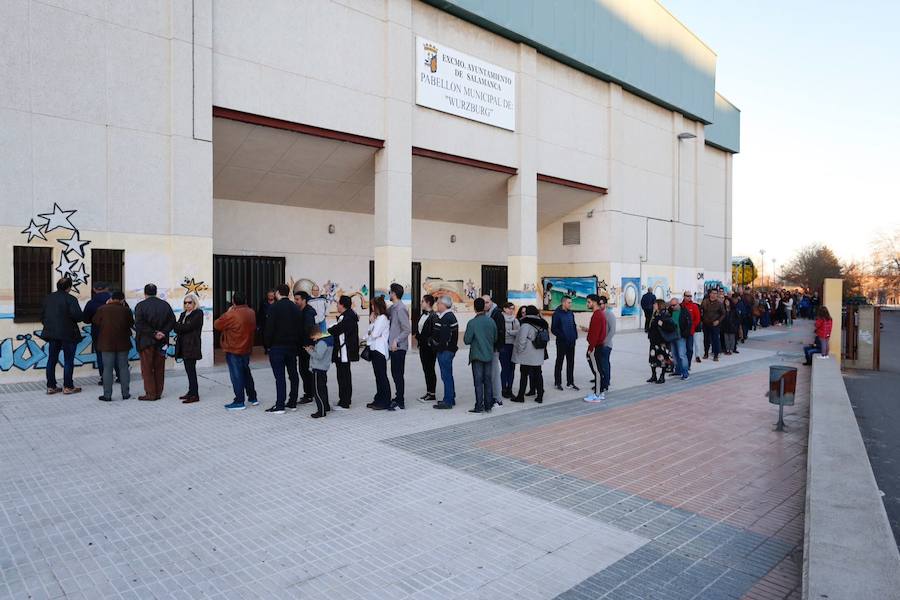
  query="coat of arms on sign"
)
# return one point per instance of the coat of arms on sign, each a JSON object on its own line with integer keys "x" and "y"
{"x": 431, "y": 53}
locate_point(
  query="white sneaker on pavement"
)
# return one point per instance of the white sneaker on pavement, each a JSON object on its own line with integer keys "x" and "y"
{"x": 590, "y": 398}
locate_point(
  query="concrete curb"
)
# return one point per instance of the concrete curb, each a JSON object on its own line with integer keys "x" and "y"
{"x": 849, "y": 551}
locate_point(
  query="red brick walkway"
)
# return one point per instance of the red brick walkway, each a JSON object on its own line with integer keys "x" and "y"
{"x": 710, "y": 450}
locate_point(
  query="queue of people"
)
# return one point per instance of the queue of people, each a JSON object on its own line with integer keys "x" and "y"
{"x": 676, "y": 331}
{"x": 301, "y": 347}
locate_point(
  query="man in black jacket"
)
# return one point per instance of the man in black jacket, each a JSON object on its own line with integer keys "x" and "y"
{"x": 60, "y": 315}
{"x": 648, "y": 300}
{"x": 282, "y": 339}
{"x": 99, "y": 297}
{"x": 346, "y": 348}
{"x": 153, "y": 321}
{"x": 446, "y": 332}
{"x": 493, "y": 311}
{"x": 307, "y": 320}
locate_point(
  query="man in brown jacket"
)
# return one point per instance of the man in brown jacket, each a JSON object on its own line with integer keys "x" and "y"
{"x": 238, "y": 325}
{"x": 113, "y": 321}
{"x": 713, "y": 311}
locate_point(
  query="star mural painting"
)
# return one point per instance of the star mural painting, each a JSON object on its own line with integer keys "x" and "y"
{"x": 58, "y": 219}
{"x": 74, "y": 244}
{"x": 194, "y": 287}
{"x": 72, "y": 258}
{"x": 34, "y": 231}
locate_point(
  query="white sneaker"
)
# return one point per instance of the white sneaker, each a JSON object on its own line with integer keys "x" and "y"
{"x": 591, "y": 398}
{"x": 601, "y": 397}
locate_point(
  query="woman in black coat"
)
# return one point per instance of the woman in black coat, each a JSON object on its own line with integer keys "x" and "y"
{"x": 661, "y": 325}
{"x": 187, "y": 344}
{"x": 427, "y": 355}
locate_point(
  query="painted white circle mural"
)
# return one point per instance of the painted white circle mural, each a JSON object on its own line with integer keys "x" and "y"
{"x": 630, "y": 296}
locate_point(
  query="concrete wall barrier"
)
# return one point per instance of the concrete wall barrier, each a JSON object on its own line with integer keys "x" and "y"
{"x": 849, "y": 550}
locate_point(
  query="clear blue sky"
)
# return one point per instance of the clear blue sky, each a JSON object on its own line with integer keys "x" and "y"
{"x": 818, "y": 85}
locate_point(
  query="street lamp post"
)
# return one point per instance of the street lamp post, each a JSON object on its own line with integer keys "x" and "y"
{"x": 774, "y": 275}
{"x": 762, "y": 268}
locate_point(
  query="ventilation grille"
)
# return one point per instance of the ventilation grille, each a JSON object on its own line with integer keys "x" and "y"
{"x": 572, "y": 233}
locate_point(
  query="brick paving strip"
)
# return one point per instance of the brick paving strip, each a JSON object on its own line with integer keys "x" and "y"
{"x": 693, "y": 466}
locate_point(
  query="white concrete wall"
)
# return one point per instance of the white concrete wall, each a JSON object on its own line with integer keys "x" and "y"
{"x": 277, "y": 63}
{"x": 301, "y": 236}
{"x": 104, "y": 109}
{"x": 97, "y": 109}
{"x": 318, "y": 62}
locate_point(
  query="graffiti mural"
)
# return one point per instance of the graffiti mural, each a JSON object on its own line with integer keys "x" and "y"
{"x": 71, "y": 259}
{"x": 28, "y": 351}
{"x": 631, "y": 293}
{"x": 332, "y": 291}
{"x": 192, "y": 286}
{"x": 715, "y": 284}
{"x": 460, "y": 292}
{"x": 578, "y": 288}
{"x": 660, "y": 287}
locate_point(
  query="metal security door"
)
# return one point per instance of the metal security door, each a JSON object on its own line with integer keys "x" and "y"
{"x": 494, "y": 282}
{"x": 415, "y": 293}
{"x": 252, "y": 275}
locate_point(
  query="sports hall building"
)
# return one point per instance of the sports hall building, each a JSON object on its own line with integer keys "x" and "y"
{"x": 525, "y": 149}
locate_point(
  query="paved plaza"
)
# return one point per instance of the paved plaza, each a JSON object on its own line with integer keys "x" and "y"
{"x": 667, "y": 491}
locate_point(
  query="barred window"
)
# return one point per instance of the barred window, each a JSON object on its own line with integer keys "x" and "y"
{"x": 32, "y": 281}
{"x": 572, "y": 233}
{"x": 107, "y": 267}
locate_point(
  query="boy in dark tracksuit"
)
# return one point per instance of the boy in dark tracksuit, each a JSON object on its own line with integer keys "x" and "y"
{"x": 320, "y": 354}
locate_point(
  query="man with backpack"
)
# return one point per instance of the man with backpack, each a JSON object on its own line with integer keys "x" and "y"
{"x": 530, "y": 351}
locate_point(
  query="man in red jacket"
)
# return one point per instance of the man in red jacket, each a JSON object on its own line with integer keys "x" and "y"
{"x": 596, "y": 338}
{"x": 692, "y": 308}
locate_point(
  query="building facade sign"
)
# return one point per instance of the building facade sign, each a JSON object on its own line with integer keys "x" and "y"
{"x": 459, "y": 84}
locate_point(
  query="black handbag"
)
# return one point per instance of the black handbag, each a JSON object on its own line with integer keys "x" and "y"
{"x": 365, "y": 354}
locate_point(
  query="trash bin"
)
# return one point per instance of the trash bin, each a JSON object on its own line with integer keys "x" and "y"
{"x": 782, "y": 388}
{"x": 782, "y": 384}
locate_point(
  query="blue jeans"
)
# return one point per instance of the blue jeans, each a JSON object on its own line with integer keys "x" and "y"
{"x": 679, "y": 356}
{"x": 817, "y": 348}
{"x": 54, "y": 347}
{"x": 507, "y": 368}
{"x": 445, "y": 362}
{"x": 98, "y": 356}
{"x": 481, "y": 376}
{"x": 605, "y": 368}
{"x": 241, "y": 379}
{"x": 283, "y": 359}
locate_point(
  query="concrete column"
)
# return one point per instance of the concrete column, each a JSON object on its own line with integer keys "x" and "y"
{"x": 190, "y": 155}
{"x": 522, "y": 271}
{"x": 832, "y": 299}
{"x": 393, "y": 163}
{"x": 729, "y": 213}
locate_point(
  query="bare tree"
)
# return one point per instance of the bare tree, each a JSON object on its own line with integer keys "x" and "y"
{"x": 884, "y": 284}
{"x": 886, "y": 259}
{"x": 811, "y": 266}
